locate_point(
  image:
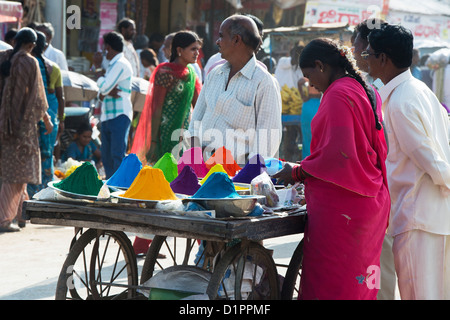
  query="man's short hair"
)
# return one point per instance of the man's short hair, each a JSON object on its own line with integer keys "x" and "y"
{"x": 366, "y": 26}
{"x": 249, "y": 38}
{"x": 124, "y": 23}
{"x": 115, "y": 40}
{"x": 395, "y": 41}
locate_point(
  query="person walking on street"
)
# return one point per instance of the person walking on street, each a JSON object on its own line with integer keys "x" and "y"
{"x": 418, "y": 167}
{"x": 117, "y": 110}
{"x": 23, "y": 104}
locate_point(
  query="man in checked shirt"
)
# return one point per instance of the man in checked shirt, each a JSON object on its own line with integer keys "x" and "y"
{"x": 239, "y": 106}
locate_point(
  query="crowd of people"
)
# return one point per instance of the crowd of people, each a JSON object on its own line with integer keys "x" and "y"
{"x": 376, "y": 170}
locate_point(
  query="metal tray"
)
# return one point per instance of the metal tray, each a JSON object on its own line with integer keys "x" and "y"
{"x": 226, "y": 207}
{"x": 76, "y": 196}
{"x": 150, "y": 204}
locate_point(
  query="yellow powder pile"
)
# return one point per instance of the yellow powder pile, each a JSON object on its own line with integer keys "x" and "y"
{"x": 150, "y": 184}
{"x": 218, "y": 168}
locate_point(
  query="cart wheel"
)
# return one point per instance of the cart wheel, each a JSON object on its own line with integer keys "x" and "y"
{"x": 245, "y": 272}
{"x": 178, "y": 252}
{"x": 291, "y": 284}
{"x": 110, "y": 255}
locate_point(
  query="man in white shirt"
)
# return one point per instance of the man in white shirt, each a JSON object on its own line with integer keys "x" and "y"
{"x": 239, "y": 107}
{"x": 117, "y": 110}
{"x": 51, "y": 52}
{"x": 127, "y": 28}
{"x": 388, "y": 279}
{"x": 418, "y": 167}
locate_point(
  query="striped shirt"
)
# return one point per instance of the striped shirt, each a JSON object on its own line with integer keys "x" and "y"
{"x": 244, "y": 117}
{"x": 119, "y": 73}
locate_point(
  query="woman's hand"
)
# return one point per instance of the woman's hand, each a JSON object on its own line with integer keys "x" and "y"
{"x": 48, "y": 124}
{"x": 284, "y": 176}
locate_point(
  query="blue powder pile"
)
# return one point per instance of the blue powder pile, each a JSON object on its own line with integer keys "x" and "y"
{"x": 127, "y": 172}
{"x": 218, "y": 186}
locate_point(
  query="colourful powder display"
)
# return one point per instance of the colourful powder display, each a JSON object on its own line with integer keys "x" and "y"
{"x": 168, "y": 165}
{"x": 127, "y": 172}
{"x": 150, "y": 184}
{"x": 254, "y": 167}
{"x": 186, "y": 182}
{"x": 218, "y": 186}
{"x": 194, "y": 159}
{"x": 84, "y": 180}
{"x": 225, "y": 158}
{"x": 216, "y": 168}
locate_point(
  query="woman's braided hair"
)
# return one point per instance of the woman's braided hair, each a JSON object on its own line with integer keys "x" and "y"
{"x": 330, "y": 52}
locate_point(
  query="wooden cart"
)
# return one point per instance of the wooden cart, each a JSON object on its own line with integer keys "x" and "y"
{"x": 101, "y": 263}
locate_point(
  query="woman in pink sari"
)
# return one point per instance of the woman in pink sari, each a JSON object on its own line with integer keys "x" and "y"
{"x": 346, "y": 189}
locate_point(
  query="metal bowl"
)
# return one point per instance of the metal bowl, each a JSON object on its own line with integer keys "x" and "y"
{"x": 149, "y": 204}
{"x": 226, "y": 207}
{"x": 75, "y": 196}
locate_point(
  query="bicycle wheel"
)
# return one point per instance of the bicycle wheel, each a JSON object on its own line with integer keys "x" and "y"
{"x": 100, "y": 265}
{"x": 178, "y": 251}
{"x": 291, "y": 284}
{"x": 246, "y": 271}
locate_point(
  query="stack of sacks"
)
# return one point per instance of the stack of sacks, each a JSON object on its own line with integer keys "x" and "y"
{"x": 225, "y": 158}
{"x": 127, "y": 172}
{"x": 168, "y": 165}
{"x": 193, "y": 158}
{"x": 254, "y": 167}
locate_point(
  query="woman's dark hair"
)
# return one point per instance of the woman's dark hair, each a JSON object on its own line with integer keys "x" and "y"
{"x": 39, "y": 50}
{"x": 85, "y": 126}
{"x": 115, "y": 40}
{"x": 395, "y": 41}
{"x": 24, "y": 36}
{"x": 149, "y": 55}
{"x": 329, "y": 52}
{"x": 183, "y": 39}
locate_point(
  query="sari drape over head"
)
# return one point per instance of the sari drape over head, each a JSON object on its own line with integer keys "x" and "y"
{"x": 170, "y": 96}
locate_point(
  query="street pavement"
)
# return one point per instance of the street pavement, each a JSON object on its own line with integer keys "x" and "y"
{"x": 31, "y": 260}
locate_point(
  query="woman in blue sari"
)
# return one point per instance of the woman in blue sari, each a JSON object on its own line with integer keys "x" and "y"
{"x": 51, "y": 74}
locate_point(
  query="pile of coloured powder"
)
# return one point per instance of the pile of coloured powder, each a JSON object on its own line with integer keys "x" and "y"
{"x": 168, "y": 165}
{"x": 194, "y": 159}
{"x": 127, "y": 172}
{"x": 218, "y": 186}
{"x": 225, "y": 158}
{"x": 150, "y": 184}
{"x": 186, "y": 182}
{"x": 216, "y": 168}
{"x": 84, "y": 180}
{"x": 254, "y": 167}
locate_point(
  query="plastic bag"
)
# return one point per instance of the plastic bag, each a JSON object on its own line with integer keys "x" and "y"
{"x": 262, "y": 185}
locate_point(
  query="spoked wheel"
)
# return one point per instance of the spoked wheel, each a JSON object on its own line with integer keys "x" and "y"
{"x": 100, "y": 265}
{"x": 246, "y": 271}
{"x": 179, "y": 252}
{"x": 291, "y": 284}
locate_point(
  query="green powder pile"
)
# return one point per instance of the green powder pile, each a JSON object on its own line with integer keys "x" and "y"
{"x": 84, "y": 180}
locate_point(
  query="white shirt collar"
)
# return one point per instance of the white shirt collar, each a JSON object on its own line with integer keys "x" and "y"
{"x": 387, "y": 89}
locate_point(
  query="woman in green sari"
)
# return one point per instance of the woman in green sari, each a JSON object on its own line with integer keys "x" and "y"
{"x": 173, "y": 91}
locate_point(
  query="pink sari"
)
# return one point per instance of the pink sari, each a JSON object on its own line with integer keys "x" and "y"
{"x": 347, "y": 197}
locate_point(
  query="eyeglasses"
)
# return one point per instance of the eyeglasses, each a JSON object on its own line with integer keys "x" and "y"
{"x": 365, "y": 55}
